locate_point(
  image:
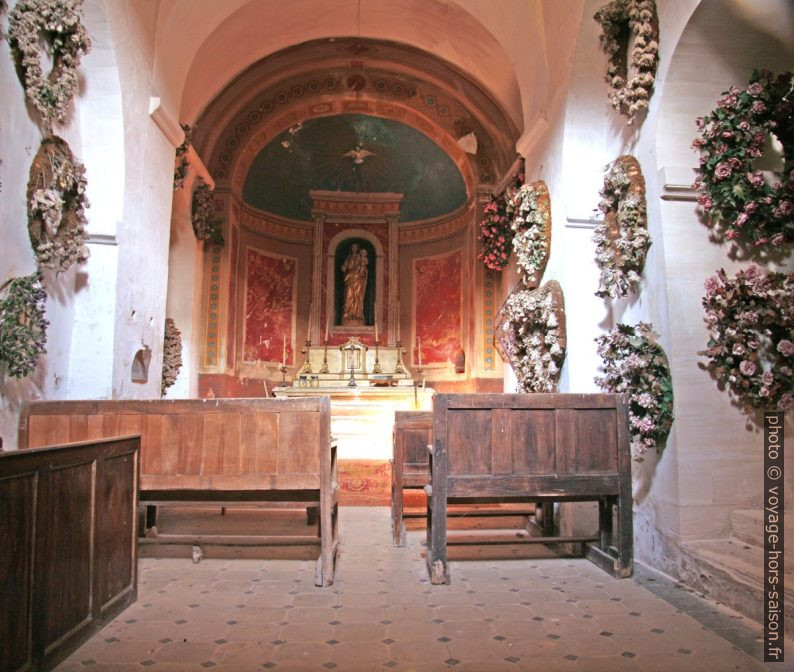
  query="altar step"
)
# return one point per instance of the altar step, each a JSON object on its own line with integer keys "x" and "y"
{"x": 731, "y": 570}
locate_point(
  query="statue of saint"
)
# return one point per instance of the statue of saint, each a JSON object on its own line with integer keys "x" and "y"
{"x": 354, "y": 271}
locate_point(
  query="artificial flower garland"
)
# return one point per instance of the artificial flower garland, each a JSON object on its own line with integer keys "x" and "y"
{"x": 172, "y": 354}
{"x": 635, "y": 365}
{"x": 619, "y": 19}
{"x": 180, "y": 171}
{"x": 735, "y": 196}
{"x": 56, "y": 206}
{"x": 751, "y": 349}
{"x": 531, "y": 226}
{"x": 59, "y": 23}
{"x": 23, "y": 329}
{"x": 621, "y": 238}
{"x": 205, "y": 225}
{"x": 531, "y": 326}
{"x": 496, "y": 232}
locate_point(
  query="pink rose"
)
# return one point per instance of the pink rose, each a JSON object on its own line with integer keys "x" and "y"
{"x": 758, "y": 107}
{"x": 731, "y": 235}
{"x": 705, "y": 201}
{"x": 711, "y": 285}
{"x": 785, "y": 347}
{"x": 744, "y": 125}
{"x": 786, "y": 402}
{"x": 747, "y": 367}
{"x": 722, "y": 170}
{"x": 777, "y": 239}
{"x": 741, "y": 220}
{"x": 751, "y": 207}
{"x": 756, "y": 179}
{"x": 763, "y": 392}
{"x": 755, "y": 89}
{"x": 767, "y": 378}
{"x": 786, "y": 207}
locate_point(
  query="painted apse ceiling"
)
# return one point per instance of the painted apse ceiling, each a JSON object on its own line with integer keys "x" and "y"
{"x": 358, "y": 153}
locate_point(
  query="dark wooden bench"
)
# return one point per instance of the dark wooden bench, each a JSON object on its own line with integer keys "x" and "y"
{"x": 231, "y": 451}
{"x": 68, "y": 560}
{"x": 412, "y": 434}
{"x": 540, "y": 447}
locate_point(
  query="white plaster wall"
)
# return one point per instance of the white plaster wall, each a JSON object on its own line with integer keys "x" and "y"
{"x": 144, "y": 228}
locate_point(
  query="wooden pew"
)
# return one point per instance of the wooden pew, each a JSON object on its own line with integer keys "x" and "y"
{"x": 68, "y": 560}
{"x": 412, "y": 434}
{"x": 221, "y": 450}
{"x": 538, "y": 447}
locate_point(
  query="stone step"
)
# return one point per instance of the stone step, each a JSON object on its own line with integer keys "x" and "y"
{"x": 732, "y": 572}
{"x": 747, "y": 525}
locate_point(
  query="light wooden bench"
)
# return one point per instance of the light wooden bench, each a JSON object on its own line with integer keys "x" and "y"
{"x": 540, "y": 447}
{"x": 229, "y": 451}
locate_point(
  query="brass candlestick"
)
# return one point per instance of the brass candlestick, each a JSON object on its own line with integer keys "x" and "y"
{"x": 306, "y": 367}
{"x": 324, "y": 367}
{"x": 283, "y": 369}
{"x": 400, "y": 368}
{"x": 376, "y": 368}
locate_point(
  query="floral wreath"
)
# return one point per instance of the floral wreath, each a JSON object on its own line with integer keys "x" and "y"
{"x": 531, "y": 336}
{"x": 59, "y": 22}
{"x": 180, "y": 172}
{"x": 23, "y": 329}
{"x": 496, "y": 234}
{"x": 635, "y": 365}
{"x": 205, "y": 225}
{"x": 172, "y": 354}
{"x": 737, "y": 198}
{"x": 751, "y": 349}
{"x": 56, "y": 206}
{"x": 619, "y": 19}
{"x": 621, "y": 238}
{"x": 532, "y": 228}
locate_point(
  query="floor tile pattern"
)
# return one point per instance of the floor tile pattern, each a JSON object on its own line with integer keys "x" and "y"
{"x": 382, "y": 614}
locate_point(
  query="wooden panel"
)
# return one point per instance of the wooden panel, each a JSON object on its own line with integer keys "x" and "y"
{"x": 501, "y": 442}
{"x": 415, "y": 442}
{"x": 191, "y": 444}
{"x": 572, "y": 487}
{"x": 18, "y": 504}
{"x": 533, "y": 440}
{"x": 596, "y": 442}
{"x": 469, "y": 441}
{"x": 95, "y": 428}
{"x": 152, "y": 445}
{"x": 116, "y": 528}
{"x": 48, "y": 430}
{"x": 78, "y": 427}
{"x": 65, "y": 554}
{"x": 221, "y": 444}
{"x": 266, "y": 440}
{"x": 297, "y": 443}
{"x": 172, "y": 439}
{"x": 50, "y": 579}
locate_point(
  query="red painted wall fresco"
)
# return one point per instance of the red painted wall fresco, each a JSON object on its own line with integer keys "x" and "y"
{"x": 270, "y": 283}
{"x": 437, "y": 306}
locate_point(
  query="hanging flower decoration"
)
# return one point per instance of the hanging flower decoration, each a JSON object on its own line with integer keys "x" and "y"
{"x": 737, "y": 198}
{"x": 635, "y": 366}
{"x": 531, "y": 226}
{"x": 58, "y": 23}
{"x": 496, "y": 232}
{"x": 621, "y": 238}
{"x": 172, "y": 354}
{"x": 180, "y": 172}
{"x": 496, "y": 235}
{"x": 23, "y": 329}
{"x": 751, "y": 349}
{"x": 56, "y": 206}
{"x": 619, "y": 20}
{"x": 206, "y": 225}
{"x": 531, "y": 336}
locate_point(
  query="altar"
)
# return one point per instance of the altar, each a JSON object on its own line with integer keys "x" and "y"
{"x": 367, "y": 384}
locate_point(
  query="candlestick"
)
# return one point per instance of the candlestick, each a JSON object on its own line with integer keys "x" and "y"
{"x": 376, "y": 331}
{"x": 309, "y": 326}
{"x": 284, "y": 351}
{"x": 327, "y": 320}
{"x": 419, "y": 341}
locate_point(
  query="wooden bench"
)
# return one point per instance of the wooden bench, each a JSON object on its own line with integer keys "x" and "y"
{"x": 412, "y": 434}
{"x": 540, "y": 447}
{"x": 229, "y": 451}
{"x": 68, "y": 559}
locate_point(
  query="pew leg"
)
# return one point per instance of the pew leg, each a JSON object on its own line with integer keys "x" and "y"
{"x": 625, "y": 537}
{"x": 312, "y": 515}
{"x": 437, "y": 565}
{"x": 605, "y": 522}
{"x": 398, "y": 525}
{"x": 147, "y": 518}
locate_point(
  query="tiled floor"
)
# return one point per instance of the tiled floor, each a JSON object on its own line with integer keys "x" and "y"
{"x": 382, "y": 614}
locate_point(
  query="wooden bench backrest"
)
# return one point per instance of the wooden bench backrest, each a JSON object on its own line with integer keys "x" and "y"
{"x": 221, "y": 444}
{"x": 496, "y": 445}
{"x": 413, "y": 430}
